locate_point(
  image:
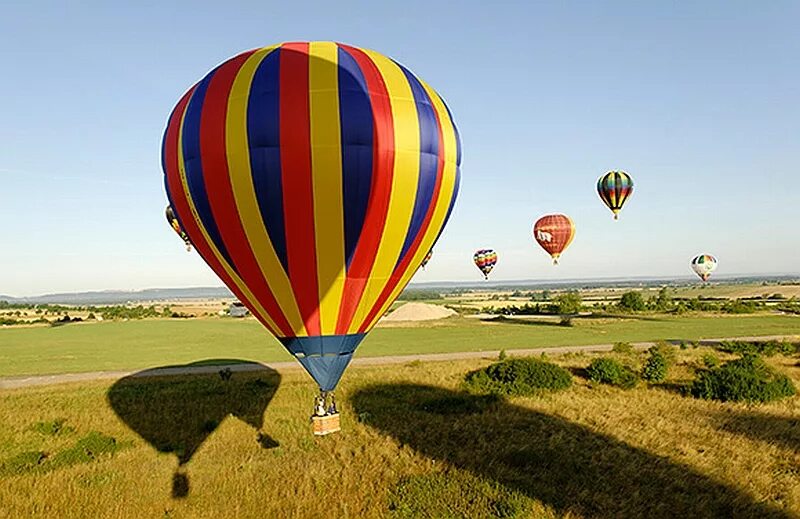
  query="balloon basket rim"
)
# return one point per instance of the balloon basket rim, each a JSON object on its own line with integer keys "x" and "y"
{"x": 326, "y": 424}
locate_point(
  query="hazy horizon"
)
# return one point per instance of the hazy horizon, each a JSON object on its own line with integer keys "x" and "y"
{"x": 546, "y": 96}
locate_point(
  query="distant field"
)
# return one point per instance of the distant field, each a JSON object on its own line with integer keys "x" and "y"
{"x": 412, "y": 445}
{"x": 149, "y": 343}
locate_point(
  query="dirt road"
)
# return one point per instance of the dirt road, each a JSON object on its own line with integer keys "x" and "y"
{"x": 46, "y": 380}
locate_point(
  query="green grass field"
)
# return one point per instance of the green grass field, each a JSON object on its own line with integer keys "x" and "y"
{"x": 149, "y": 343}
{"x": 412, "y": 445}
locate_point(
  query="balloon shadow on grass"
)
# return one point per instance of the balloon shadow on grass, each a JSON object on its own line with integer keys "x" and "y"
{"x": 567, "y": 466}
{"x": 769, "y": 428}
{"x": 176, "y": 413}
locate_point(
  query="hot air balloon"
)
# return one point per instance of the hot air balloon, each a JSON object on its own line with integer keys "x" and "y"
{"x": 614, "y": 189}
{"x": 703, "y": 265}
{"x": 485, "y": 260}
{"x": 427, "y": 258}
{"x": 313, "y": 178}
{"x": 176, "y": 226}
{"x": 554, "y": 232}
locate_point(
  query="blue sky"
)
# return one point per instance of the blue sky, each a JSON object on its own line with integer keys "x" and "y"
{"x": 697, "y": 100}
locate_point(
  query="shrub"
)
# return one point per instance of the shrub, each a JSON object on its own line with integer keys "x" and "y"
{"x": 519, "y": 376}
{"x": 624, "y": 348}
{"x": 710, "y": 360}
{"x": 52, "y": 427}
{"x": 656, "y": 366}
{"x": 746, "y": 379}
{"x": 610, "y": 371}
{"x": 766, "y": 348}
{"x": 502, "y": 355}
{"x": 632, "y": 302}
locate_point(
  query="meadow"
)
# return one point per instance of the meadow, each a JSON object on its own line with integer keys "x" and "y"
{"x": 413, "y": 444}
{"x": 138, "y": 344}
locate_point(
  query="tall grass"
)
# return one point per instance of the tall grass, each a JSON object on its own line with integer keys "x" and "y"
{"x": 405, "y": 450}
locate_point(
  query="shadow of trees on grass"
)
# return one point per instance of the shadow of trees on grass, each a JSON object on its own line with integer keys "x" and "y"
{"x": 177, "y": 413}
{"x": 562, "y": 464}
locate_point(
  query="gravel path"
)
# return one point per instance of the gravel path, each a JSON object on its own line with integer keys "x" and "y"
{"x": 46, "y": 380}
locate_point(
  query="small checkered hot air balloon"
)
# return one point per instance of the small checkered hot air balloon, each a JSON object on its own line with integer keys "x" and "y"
{"x": 554, "y": 233}
{"x": 313, "y": 178}
{"x": 176, "y": 226}
{"x": 703, "y": 265}
{"x": 614, "y": 188}
{"x": 485, "y": 260}
{"x": 427, "y": 258}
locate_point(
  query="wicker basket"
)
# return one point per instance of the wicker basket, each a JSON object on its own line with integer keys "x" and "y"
{"x": 327, "y": 424}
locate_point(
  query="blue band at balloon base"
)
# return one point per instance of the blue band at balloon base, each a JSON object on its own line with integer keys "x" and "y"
{"x": 324, "y": 357}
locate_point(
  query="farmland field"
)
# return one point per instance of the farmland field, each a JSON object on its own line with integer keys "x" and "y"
{"x": 412, "y": 445}
{"x": 137, "y": 344}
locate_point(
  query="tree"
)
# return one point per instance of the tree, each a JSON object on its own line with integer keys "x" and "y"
{"x": 567, "y": 305}
{"x": 632, "y": 302}
{"x": 663, "y": 301}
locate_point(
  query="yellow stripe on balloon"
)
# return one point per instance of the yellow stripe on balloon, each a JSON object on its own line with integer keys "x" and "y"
{"x": 326, "y": 171}
{"x": 244, "y": 193}
{"x": 446, "y": 194}
{"x": 257, "y": 308}
{"x": 404, "y": 182}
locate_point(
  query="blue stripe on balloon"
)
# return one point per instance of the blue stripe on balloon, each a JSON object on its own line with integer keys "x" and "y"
{"x": 263, "y": 134}
{"x": 193, "y": 165}
{"x": 452, "y": 201}
{"x": 455, "y": 130}
{"x": 428, "y": 159}
{"x": 356, "y": 121}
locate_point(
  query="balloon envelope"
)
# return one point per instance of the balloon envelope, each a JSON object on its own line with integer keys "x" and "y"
{"x": 614, "y": 189}
{"x": 313, "y": 178}
{"x": 554, "y": 233}
{"x": 703, "y": 265}
{"x": 485, "y": 260}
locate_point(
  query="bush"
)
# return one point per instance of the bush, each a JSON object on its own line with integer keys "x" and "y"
{"x": 610, "y": 371}
{"x": 710, "y": 360}
{"x": 766, "y": 348}
{"x": 632, "y": 302}
{"x": 520, "y": 377}
{"x": 746, "y": 379}
{"x": 624, "y": 348}
{"x": 656, "y": 366}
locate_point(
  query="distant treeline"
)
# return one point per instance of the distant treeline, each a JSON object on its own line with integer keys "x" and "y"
{"x": 634, "y": 301}
{"x": 61, "y": 313}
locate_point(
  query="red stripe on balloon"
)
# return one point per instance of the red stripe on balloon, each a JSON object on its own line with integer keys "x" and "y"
{"x": 220, "y": 192}
{"x": 298, "y": 195}
{"x": 180, "y": 202}
{"x": 380, "y": 192}
{"x": 401, "y": 269}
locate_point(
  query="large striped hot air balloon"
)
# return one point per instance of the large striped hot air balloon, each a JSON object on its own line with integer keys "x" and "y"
{"x": 703, "y": 265}
{"x": 614, "y": 189}
{"x": 313, "y": 178}
{"x": 485, "y": 260}
{"x": 554, "y": 232}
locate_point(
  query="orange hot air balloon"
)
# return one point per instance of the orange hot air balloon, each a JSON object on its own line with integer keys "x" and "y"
{"x": 554, "y": 232}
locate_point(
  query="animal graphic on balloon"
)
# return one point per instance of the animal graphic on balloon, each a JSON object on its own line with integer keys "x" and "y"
{"x": 313, "y": 178}
{"x": 554, "y": 233}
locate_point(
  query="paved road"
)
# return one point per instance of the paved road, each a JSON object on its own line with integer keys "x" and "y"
{"x": 46, "y": 380}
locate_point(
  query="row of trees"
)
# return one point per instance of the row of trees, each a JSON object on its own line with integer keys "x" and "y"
{"x": 570, "y": 303}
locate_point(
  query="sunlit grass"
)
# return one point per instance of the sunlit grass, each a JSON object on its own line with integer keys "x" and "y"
{"x": 590, "y": 451}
